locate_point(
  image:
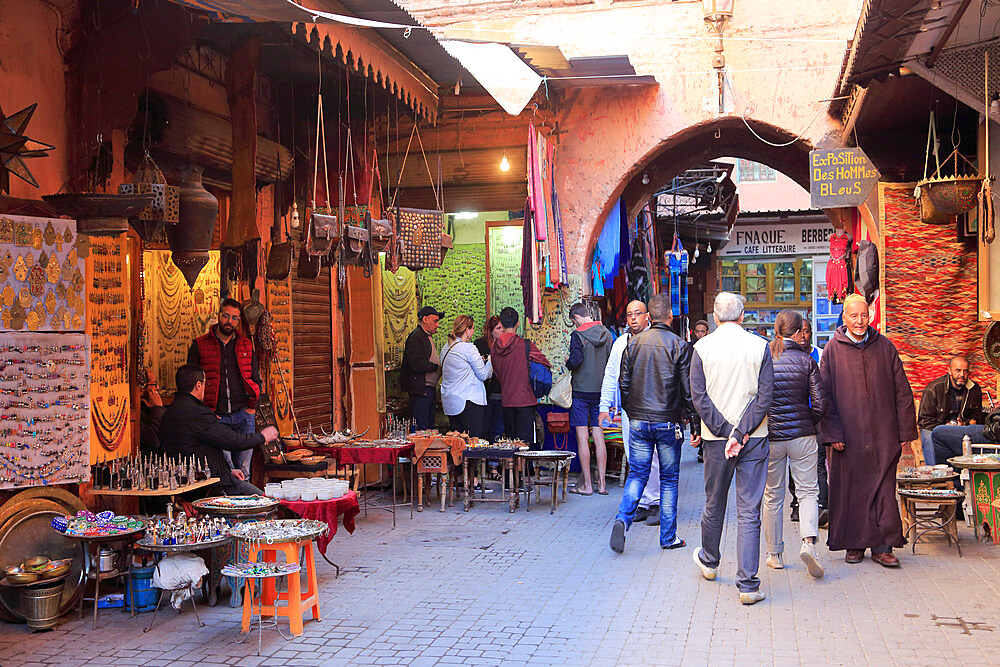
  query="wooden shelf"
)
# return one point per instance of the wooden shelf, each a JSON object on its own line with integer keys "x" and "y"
{"x": 158, "y": 493}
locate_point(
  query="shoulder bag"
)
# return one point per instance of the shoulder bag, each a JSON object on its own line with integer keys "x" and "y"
{"x": 539, "y": 375}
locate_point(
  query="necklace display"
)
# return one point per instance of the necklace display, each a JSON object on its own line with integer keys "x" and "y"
{"x": 279, "y": 301}
{"x": 44, "y": 425}
{"x": 457, "y": 288}
{"x": 552, "y": 332}
{"x": 505, "y": 268}
{"x": 41, "y": 275}
{"x": 399, "y": 311}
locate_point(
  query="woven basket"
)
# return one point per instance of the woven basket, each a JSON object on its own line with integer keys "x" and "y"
{"x": 929, "y": 213}
{"x": 955, "y": 195}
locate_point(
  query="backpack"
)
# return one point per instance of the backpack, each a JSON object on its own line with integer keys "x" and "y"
{"x": 539, "y": 375}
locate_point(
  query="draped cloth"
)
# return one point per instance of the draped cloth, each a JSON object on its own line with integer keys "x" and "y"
{"x": 871, "y": 411}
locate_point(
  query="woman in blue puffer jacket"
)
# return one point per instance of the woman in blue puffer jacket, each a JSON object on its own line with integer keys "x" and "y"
{"x": 796, "y": 409}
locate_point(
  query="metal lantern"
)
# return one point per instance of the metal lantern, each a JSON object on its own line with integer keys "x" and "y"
{"x": 165, "y": 207}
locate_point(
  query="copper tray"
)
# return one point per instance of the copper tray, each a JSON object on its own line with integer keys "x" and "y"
{"x": 28, "y": 534}
{"x": 969, "y": 465}
{"x": 991, "y": 345}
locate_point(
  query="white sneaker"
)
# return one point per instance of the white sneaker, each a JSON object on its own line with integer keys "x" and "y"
{"x": 775, "y": 561}
{"x": 751, "y": 598}
{"x": 706, "y": 571}
{"x": 811, "y": 559}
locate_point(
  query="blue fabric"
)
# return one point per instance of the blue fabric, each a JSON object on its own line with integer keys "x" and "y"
{"x": 595, "y": 272}
{"x": 609, "y": 245}
{"x": 644, "y": 438}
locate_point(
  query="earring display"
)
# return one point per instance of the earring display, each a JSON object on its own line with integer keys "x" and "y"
{"x": 42, "y": 264}
{"x": 44, "y": 409}
{"x": 505, "y": 269}
{"x": 457, "y": 288}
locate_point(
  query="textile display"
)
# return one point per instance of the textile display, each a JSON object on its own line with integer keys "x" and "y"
{"x": 399, "y": 311}
{"x": 327, "y": 511}
{"x": 279, "y": 305}
{"x": 531, "y": 291}
{"x": 608, "y": 254}
{"x": 45, "y": 401}
{"x": 537, "y": 155}
{"x": 175, "y": 315}
{"x": 42, "y": 274}
{"x": 552, "y": 330}
{"x": 558, "y": 271}
{"x": 457, "y": 288}
{"x": 504, "y": 246}
{"x": 108, "y": 324}
{"x": 419, "y": 232}
{"x": 836, "y": 268}
{"x": 930, "y": 292}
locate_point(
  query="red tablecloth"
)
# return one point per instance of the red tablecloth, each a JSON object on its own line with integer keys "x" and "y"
{"x": 349, "y": 454}
{"x": 327, "y": 511}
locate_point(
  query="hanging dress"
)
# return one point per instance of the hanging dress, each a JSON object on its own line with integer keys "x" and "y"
{"x": 836, "y": 268}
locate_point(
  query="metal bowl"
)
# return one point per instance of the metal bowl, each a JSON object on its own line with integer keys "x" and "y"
{"x": 17, "y": 575}
{"x": 57, "y": 568}
{"x": 35, "y": 563}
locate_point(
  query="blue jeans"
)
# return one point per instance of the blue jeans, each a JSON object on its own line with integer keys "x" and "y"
{"x": 927, "y": 446}
{"x": 644, "y": 438}
{"x": 948, "y": 440}
{"x": 241, "y": 422}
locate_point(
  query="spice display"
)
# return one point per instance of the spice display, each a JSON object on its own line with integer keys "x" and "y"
{"x": 41, "y": 274}
{"x": 174, "y": 313}
{"x": 102, "y": 524}
{"x": 150, "y": 472}
{"x": 399, "y": 311}
{"x": 183, "y": 530}
{"x": 44, "y": 409}
{"x": 457, "y": 288}
{"x": 279, "y": 530}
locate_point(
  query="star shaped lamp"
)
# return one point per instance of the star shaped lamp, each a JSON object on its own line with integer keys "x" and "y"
{"x": 15, "y": 147}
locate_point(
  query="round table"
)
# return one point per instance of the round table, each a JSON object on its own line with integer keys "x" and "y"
{"x": 557, "y": 462}
{"x": 247, "y": 573}
{"x": 86, "y": 544}
{"x": 926, "y": 521}
{"x": 982, "y": 493}
{"x": 163, "y": 549}
{"x": 327, "y": 511}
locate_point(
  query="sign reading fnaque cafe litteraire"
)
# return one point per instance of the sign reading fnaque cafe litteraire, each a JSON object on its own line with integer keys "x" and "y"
{"x": 799, "y": 238}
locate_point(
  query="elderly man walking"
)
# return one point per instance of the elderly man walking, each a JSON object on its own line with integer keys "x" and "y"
{"x": 732, "y": 382}
{"x": 871, "y": 416}
{"x": 657, "y": 397}
{"x": 637, "y": 319}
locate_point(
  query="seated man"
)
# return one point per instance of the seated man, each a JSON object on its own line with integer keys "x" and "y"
{"x": 188, "y": 427}
{"x": 952, "y": 399}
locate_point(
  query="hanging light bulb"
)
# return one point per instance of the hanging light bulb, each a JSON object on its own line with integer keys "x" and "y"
{"x": 295, "y": 215}
{"x": 709, "y": 248}
{"x": 504, "y": 163}
{"x": 645, "y": 178}
{"x": 697, "y": 253}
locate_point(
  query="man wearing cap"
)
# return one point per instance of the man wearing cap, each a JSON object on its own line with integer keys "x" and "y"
{"x": 421, "y": 367}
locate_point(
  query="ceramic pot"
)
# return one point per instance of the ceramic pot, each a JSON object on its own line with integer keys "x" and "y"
{"x": 191, "y": 238}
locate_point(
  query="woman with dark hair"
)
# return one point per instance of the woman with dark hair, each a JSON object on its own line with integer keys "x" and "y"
{"x": 792, "y": 420}
{"x": 494, "y": 404}
{"x": 463, "y": 395}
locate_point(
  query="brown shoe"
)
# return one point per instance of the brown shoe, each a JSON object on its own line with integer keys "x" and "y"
{"x": 854, "y": 556}
{"x": 886, "y": 559}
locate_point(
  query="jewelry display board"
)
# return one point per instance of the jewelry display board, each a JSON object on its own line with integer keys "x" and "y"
{"x": 175, "y": 315}
{"x": 399, "y": 311}
{"x": 457, "y": 288}
{"x": 504, "y": 244}
{"x": 551, "y": 333}
{"x": 44, "y": 409}
{"x": 42, "y": 274}
{"x": 279, "y": 305}
{"x": 108, "y": 317}
{"x": 419, "y": 234}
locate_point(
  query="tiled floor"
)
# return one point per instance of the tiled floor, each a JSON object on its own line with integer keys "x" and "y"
{"x": 488, "y": 587}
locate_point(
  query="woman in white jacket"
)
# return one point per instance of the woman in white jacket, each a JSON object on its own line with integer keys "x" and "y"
{"x": 463, "y": 372}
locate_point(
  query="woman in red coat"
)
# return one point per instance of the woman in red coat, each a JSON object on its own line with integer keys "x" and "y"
{"x": 870, "y": 417}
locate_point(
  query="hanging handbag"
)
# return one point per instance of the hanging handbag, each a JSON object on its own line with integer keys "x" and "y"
{"x": 309, "y": 264}
{"x": 324, "y": 227}
{"x": 279, "y": 255}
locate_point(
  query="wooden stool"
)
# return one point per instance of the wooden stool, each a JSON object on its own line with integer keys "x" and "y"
{"x": 297, "y": 602}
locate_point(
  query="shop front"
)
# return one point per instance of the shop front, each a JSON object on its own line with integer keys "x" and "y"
{"x": 778, "y": 264}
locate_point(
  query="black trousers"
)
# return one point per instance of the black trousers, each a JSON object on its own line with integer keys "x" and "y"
{"x": 519, "y": 423}
{"x": 424, "y": 406}
{"x": 471, "y": 420}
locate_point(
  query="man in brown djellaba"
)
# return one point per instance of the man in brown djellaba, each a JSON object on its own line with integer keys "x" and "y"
{"x": 871, "y": 416}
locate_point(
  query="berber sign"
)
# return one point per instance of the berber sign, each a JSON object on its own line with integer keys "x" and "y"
{"x": 840, "y": 177}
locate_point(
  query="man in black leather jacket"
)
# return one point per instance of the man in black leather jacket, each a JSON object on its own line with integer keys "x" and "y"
{"x": 656, "y": 394}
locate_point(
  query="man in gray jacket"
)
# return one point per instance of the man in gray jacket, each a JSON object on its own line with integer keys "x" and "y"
{"x": 732, "y": 383}
{"x": 589, "y": 349}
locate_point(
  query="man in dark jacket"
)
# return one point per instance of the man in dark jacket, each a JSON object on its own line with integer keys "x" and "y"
{"x": 510, "y": 355}
{"x": 232, "y": 378}
{"x": 151, "y": 412}
{"x": 656, "y": 394}
{"x": 589, "y": 349}
{"x": 190, "y": 428}
{"x": 951, "y": 399}
{"x": 421, "y": 368}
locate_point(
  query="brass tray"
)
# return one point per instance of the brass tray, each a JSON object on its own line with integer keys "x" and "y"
{"x": 29, "y": 534}
{"x": 991, "y": 345}
{"x": 202, "y": 506}
{"x": 959, "y": 462}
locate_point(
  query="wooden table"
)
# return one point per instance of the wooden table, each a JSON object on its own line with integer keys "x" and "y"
{"x": 982, "y": 492}
{"x": 359, "y": 453}
{"x": 157, "y": 493}
{"x": 510, "y": 467}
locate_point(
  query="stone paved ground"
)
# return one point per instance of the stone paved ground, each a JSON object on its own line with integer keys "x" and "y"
{"x": 490, "y": 588}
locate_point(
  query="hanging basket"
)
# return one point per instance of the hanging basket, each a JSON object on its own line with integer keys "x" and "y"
{"x": 952, "y": 195}
{"x": 929, "y": 213}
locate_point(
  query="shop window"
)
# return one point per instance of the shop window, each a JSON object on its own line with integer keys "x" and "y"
{"x": 805, "y": 280}
{"x": 768, "y": 287}
{"x": 729, "y": 277}
{"x": 754, "y": 172}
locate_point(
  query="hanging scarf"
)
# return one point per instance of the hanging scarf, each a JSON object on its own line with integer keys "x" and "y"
{"x": 536, "y": 194}
{"x": 638, "y": 275}
{"x": 557, "y": 221}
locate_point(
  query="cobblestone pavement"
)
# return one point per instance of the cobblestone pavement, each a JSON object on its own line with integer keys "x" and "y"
{"x": 488, "y": 588}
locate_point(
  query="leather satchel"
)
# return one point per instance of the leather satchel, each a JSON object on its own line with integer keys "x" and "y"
{"x": 355, "y": 241}
{"x": 309, "y": 263}
{"x": 325, "y": 233}
{"x": 279, "y": 260}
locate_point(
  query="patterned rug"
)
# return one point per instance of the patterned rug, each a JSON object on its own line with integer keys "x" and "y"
{"x": 930, "y": 287}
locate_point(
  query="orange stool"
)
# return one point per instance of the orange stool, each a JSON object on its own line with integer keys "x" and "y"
{"x": 297, "y": 602}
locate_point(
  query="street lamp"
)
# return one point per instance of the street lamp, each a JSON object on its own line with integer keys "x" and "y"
{"x": 717, "y": 14}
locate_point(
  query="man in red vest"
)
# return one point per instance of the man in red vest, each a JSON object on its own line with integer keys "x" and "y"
{"x": 232, "y": 380}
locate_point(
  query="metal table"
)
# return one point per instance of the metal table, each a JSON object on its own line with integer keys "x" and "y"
{"x": 122, "y": 571}
{"x": 926, "y": 521}
{"x": 510, "y": 471}
{"x": 163, "y": 549}
{"x": 557, "y": 462}
{"x": 260, "y": 623}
